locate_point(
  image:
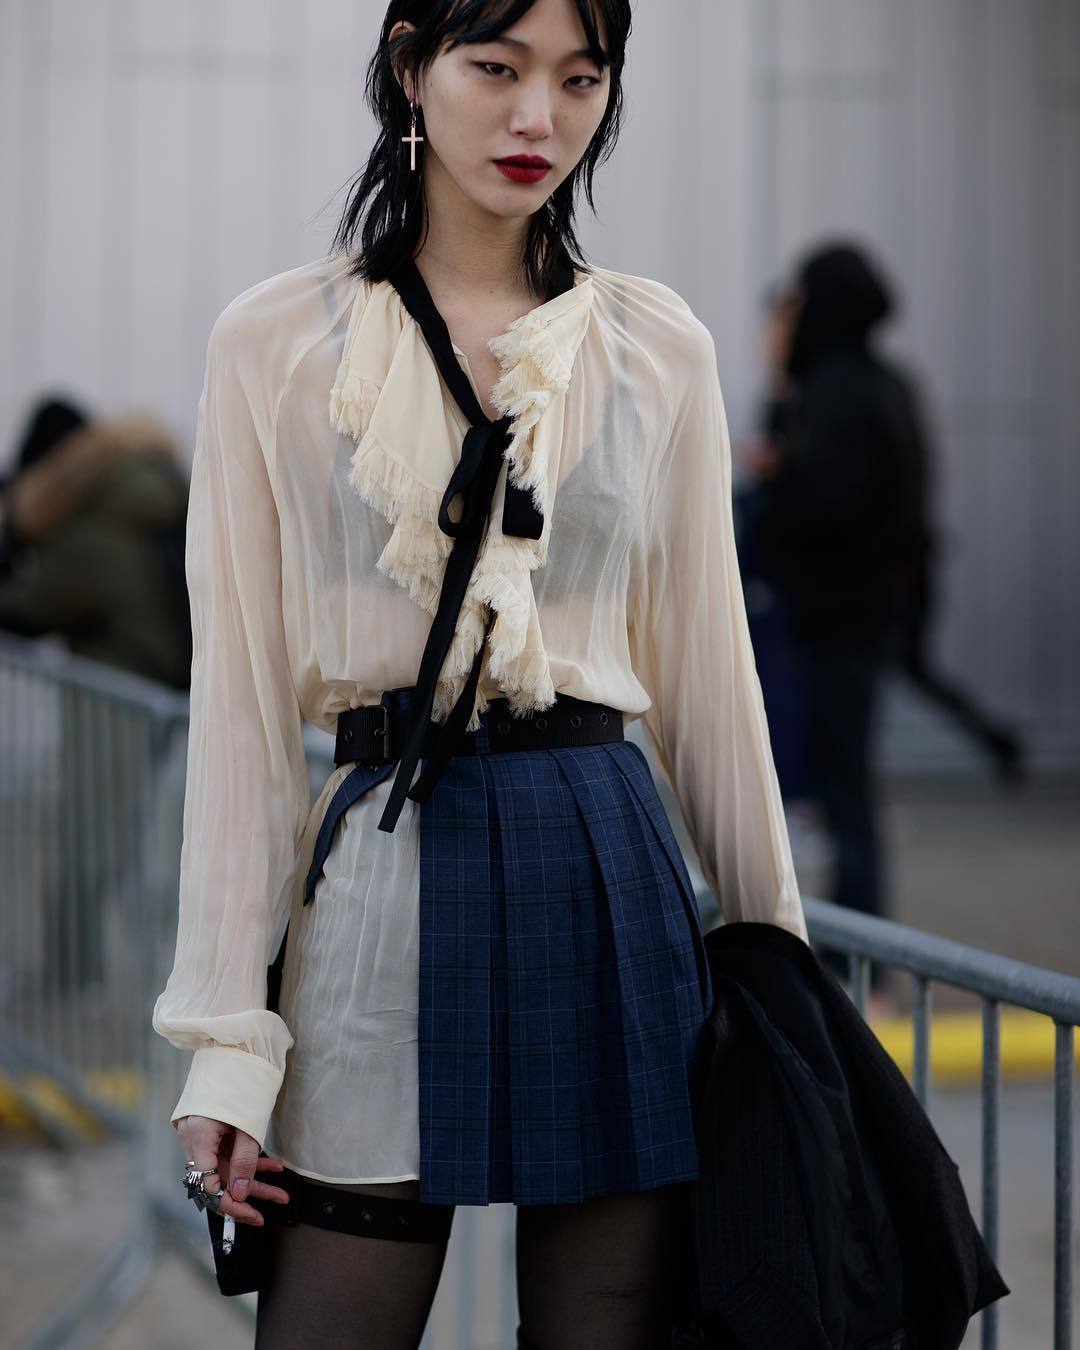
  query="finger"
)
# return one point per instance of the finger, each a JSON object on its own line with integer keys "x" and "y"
{"x": 241, "y": 1212}
{"x": 264, "y": 1163}
{"x": 224, "y": 1163}
{"x": 243, "y": 1161}
{"x": 206, "y": 1160}
{"x": 203, "y": 1149}
{"x": 261, "y": 1191}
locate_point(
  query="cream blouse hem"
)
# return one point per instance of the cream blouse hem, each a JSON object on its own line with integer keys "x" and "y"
{"x": 344, "y": 1181}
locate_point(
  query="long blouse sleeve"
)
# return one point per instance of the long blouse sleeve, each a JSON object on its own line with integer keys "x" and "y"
{"x": 246, "y": 797}
{"x": 690, "y": 648}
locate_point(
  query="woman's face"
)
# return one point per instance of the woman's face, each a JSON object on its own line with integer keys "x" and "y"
{"x": 527, "y": 92}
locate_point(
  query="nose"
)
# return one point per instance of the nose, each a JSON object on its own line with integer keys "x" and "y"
{"x": 533, "y": 115}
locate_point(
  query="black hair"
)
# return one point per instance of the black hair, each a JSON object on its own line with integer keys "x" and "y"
{"x": 385, "y": 205}
{"x": 845, "y": 296}
{"x": 51, "y": 420}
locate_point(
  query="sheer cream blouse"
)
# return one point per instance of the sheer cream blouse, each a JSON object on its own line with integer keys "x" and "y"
{"x": 325, "y": 439}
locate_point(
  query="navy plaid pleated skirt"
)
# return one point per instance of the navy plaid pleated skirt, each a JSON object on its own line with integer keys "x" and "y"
{"x": 563, "y": 983}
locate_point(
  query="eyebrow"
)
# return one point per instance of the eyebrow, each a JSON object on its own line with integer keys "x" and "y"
{"x": 524, "y": 46}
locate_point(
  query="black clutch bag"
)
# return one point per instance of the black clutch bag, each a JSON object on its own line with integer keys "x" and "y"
{"x": 248, "y": 1266}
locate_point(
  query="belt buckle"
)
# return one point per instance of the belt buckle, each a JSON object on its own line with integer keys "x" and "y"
{"x": 384, "y": 730}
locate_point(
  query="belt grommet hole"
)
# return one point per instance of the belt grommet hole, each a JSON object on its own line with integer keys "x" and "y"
{"x": 367, "y": 1215}
{"x": 379, "y": 731}
{"x": 348, "y": 735}
{"x": 603, "y": 719}
{"x": 575, "y": 721}
{"x": 504, "y": 727}
{"x": 541, "y": 723}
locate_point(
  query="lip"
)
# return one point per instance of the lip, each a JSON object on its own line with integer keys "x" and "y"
{"x": 523, "y": 168}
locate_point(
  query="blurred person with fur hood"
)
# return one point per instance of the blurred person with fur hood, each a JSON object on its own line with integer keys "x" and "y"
{"x": 93, "y": 551}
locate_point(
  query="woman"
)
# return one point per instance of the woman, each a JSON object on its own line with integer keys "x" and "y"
{"x": 495, "y": 984}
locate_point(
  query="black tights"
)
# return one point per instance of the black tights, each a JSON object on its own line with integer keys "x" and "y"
{"x": 600, "y": 1275}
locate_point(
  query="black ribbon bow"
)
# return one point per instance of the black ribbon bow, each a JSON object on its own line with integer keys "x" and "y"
{"x": 473, "y": 480}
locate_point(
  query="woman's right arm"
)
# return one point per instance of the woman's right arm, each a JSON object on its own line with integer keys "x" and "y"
{"x": 247, "y": 795}
{"x": 691, "y": 649}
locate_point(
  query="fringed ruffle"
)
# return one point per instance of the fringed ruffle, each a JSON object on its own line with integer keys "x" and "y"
{"x": 352, "y": 399}
{"x": 536, "y": 370}
{"x": 535, "y": 373}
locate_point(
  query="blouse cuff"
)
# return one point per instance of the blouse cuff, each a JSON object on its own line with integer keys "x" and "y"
{"x": 231, "y": 1085}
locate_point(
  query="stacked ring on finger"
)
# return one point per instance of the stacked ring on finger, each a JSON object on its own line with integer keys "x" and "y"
{"x": 193, "y": 1179}
{"x": 212, "y": 1202}
{"x": 208, "y": 1200}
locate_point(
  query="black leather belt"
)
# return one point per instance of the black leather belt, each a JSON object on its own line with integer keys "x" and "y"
{"x": 383, "y": 1216}
{"x": 249, "y": 1265}
{"x": 376, "y": 733}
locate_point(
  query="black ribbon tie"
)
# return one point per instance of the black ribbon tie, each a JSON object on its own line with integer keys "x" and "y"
{"x": 473, "y": 481}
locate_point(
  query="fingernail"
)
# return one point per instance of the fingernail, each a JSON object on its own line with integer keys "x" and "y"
{"x": 239, "y": 1188}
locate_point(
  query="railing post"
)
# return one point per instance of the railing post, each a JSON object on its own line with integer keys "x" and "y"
{"x": 1063, "y": 1187}
{"x": 991, "y": 1181}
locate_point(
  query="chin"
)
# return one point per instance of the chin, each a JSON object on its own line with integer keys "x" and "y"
{"x": 512, "y": 210}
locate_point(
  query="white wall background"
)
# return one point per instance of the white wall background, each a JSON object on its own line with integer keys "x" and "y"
{"x": 157, "y": 158}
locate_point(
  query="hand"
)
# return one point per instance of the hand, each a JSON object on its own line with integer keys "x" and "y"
{"x": 235, "y": 1155}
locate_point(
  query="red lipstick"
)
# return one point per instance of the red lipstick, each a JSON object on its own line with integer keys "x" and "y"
{"x": 523, "y": 168}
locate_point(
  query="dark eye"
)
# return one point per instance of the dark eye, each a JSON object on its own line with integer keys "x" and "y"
{"x": 489, "y": 66}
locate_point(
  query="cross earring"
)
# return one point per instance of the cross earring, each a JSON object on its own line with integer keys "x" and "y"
{"x": 413, "y": 139}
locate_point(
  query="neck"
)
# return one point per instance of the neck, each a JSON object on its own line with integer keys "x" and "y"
{"x": 468, "y": 250}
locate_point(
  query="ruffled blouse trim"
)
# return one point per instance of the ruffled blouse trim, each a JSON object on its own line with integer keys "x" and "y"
{"x": 389, "y": 397}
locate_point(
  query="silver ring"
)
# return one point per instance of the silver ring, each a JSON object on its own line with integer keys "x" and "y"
{"x": 193, "y": 1179}
{"x": 213, "y": 1202}
{"x": 202, "y": 1200}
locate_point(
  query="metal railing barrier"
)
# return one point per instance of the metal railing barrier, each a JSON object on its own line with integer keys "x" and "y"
{"x": 92, "y": 764}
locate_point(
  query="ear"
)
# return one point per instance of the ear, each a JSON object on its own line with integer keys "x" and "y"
{"x": 405, "y": 80}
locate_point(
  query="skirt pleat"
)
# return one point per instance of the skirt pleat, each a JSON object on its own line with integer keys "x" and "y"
{"x": 563, "y": 987}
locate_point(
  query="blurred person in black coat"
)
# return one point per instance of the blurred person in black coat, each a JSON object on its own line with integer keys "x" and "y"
{"x": 843, "y": 533}
{"x": 842, "y": 504}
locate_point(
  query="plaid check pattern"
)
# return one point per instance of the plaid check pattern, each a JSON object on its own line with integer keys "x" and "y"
{"x": 563, "y": 982}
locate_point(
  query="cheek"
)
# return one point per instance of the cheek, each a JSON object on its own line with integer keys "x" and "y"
{"x": 588, "y": 116}
{"x": 449, "y": 141}
{"x": 581, "y": 127}
{"x": 464, "y": 116}
{"x": 448, "y": 96}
